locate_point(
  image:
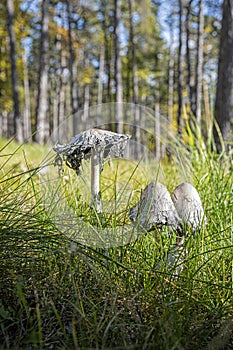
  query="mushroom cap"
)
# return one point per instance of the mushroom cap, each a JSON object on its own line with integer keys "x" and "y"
{"x": 106, "y": 143}
{"x": 155, "y": 208}
{"x": 188, "y": 205}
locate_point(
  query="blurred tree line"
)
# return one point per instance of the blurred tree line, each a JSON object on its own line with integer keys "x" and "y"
{"x": 60, "y": 57}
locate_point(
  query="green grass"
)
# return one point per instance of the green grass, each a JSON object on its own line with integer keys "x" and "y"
{"x": 58, "y": 294}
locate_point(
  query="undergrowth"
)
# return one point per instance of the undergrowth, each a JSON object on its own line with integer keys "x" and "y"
{"x": 59, "y": 294}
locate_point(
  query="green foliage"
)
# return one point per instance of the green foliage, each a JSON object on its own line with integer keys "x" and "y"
{"x": 58, "y": 294}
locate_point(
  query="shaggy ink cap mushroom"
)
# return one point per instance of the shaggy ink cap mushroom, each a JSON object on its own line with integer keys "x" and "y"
{"x": 155, "y": 208}
{"x": 189, "y": 207}
{"x": 96, "y": 144}
{"x": 179, "y": 211}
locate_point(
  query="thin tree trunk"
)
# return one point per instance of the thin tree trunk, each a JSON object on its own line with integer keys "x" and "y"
{"x": 207, "y": 113}
{"x": 86, "y": 97}
{"x": 61, "y": 104}
{"x": 134, "y": 66}
{"x": 190, "y": 82}
{"x": 171, "y": 65}
{"x": 134, "y": 81}
{"x": 86, "y": 105}
{"x": 69, "y": 123}
{"x": 67, "y": 100}
{"x": 42, "y": 97}
{"x": 118, "y": 72}
{"x": 107, "y": 64}
{"x": 52, "y": 99}
{"x": 73, "y": 73}
{"x": 171, "y": 77}
{"x": 54, "y": 92}
{"x": 170, "y": 87}
{"x": 157, "y": 125}
{"x": 55, "y": 87}
{"x": 112, "y": 81}
{"x": 3, "y": 124}
{"x": 17, "y": 123}
{"x": 223, "y": 103}
{"x": 100, "y": 83}
{"x": 180, "y": 69}
{"x": 27, "y": 130}
{"x": 199, "y": 64}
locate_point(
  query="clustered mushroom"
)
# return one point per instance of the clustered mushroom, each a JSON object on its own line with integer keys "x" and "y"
{"x": 157, "y": 208}
{"x": 95, "y": 144}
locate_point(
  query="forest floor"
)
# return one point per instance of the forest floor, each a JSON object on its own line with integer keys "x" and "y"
{"x": 60, "y": 291}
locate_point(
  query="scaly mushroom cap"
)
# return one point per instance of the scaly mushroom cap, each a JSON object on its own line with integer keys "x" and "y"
{"x": 107, "y": 145}
{"x": 188, "y": 205}
{"x": 155, "y": 208}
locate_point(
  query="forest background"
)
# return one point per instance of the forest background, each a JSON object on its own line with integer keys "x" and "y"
{"x": 58, "y": 58}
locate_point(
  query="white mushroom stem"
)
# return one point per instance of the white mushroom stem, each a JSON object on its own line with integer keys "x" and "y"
{"x": 95, "y": 181}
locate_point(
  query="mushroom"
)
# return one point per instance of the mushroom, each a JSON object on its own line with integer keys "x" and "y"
{"x": 155, "y": 208}
{"x": 188, "y": 206}
{"x": 97, "y": 145}
{"x": 180, "y": 211}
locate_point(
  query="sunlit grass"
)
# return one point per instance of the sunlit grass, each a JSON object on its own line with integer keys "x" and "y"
{"x": 58, "y": 294}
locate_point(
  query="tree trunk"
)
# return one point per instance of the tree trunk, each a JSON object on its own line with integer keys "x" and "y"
{"x": 42, "y": 97}
{"x": 190, "y": 80}
{"x": 180, "y": 69}
{"x": 54, "y": 96}
{"x": 54, "y": 89}
{"x": 134, "y": 81}
{"x": 118, "y": 68}
{"x": 223, "y": 103}
{"x": 107, "y": 59}
{"x": 157, "y": 125}
{"x": 100, "y": 84}
{"x": 17, "y": 123}
{"x": 27, "y": 130}
{"x": 3, "y": 124}
{"x": 199, "y": 64}
{"x": 86, "y": 106}
{"x": 207, "y": 113}
{"x": 61, "y": 104}
{"x": 170, "y": 88}
{"x": 171, "y": 77}
{"x": 73, "y": 73}
{"x": 134, "y": 66}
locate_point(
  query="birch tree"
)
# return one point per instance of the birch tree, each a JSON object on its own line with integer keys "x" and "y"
{"x": 180, "y": 67}
{"x": 171, "y": 64}
{"x": 189, "y": 77}
{"x": 27, "y": 131}
{"x": 118, "y": 68}
{"x": 42, "y": 96}
{"x": 100, "y": 82}
{"x": 133, "y": 68}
